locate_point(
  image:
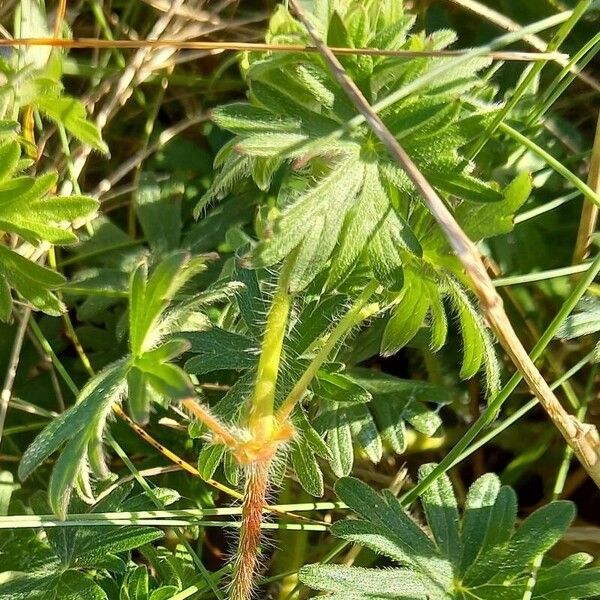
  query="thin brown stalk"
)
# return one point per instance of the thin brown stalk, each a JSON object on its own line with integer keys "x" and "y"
{"x": 260, "y": 47}
{"x": 60, "y": 17}
{"x": 534, "y": 41}
{"x": 589, "y": 212}
{"x": 13, "y": 363}
{"x": 583, "y": 438}
{"x": 123, "y": 88}
{"x": 247, "y": 560}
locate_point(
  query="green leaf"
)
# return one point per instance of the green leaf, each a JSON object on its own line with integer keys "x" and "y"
{"x": 538, "y": 533}
{"x": 168, "y": 350}
{"x": 70, "y": 112}
{"x": 439, "y": 321}
{"x": 339, "y": 440}
{"x": 313, "y": 224}
{"x": 310, "y": 437}
{"x": 36, "y": 217}
{"x": 378, "y": 413}
{"x": 568, "y": 580}
{"x": 137, "y": 298}
{"x": 33, "y": 23}
{"x": 27, "y": 210}
{"x": 10, "y": 153}
{"x": 218, "y": 349}
{"x": 209, "y": 459}
{"x": 137, "y": 396}
{"x": 65, "y": 473}
{"x": 364, "y": 431}
{"x": 170, "y": 381}
{"x": 158, "y": 207}
{"x": 150, "y": 296}
{"x": 307, "y": 469}
{"x": 99, "y": 392}
{"x": 164, "y": 592}
{"x": 584, "y": 321}
{"x": 251, "y": 300}
{"x": 242, "y": 118}
{"x": 387, "y": 529}
{"x": 69, "y": 585}
{"x": 114, "y": 540}
{"x": 339, "y": 186}
{"x": 373, "y": 223}
{"x": 441, "y": 511}
{"x": 367, "y": 583}
{"x": 481, "y": 222}
{"x": 338, "y": 387}
{"x": 31, "y": 280}
{"x": 477, "y": 557}
{"x": 407, "y": 317}
{"x": 477, "y": 347}
{"x": 478, "y": 517}
{"x": 136, "y": 585}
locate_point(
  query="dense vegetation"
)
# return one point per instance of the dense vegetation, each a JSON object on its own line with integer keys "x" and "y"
{"x": 284, "y": 312}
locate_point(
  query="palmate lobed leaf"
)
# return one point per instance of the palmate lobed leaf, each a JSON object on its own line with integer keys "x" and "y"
{"x": 28, "y": 209}
{"x": 369, "y": 410}
{"x": 344, "y": 206}
{"x": 428, "y": 124}
{"x": 476, "y": 555}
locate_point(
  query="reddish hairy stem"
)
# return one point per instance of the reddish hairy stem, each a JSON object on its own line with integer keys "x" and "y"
{"x": 247, "y": 561}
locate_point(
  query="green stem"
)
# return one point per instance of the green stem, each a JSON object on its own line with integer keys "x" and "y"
{"x": 482, "y": 441}
{"x": 539, "y": 210}
{"x": 565, "y": 77}
{"x": 552, "y": 162}
{"x": 260, "y": 419}
{"x": 541, "y": 276}
{"x": 532, "y": 73}
{"x": 357, "y": 313}
{"x": 563, "y": 471}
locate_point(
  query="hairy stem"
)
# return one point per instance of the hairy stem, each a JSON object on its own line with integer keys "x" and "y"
{"x": 204, "y": 415}
{"x": 357, "y": 313}
{"x": 260, "y": 420}
{"x": 247, "y": 560}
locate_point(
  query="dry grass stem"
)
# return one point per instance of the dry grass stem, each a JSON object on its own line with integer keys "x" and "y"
{"x": 182, "y": 44}
{"x": 589, "y": 212}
